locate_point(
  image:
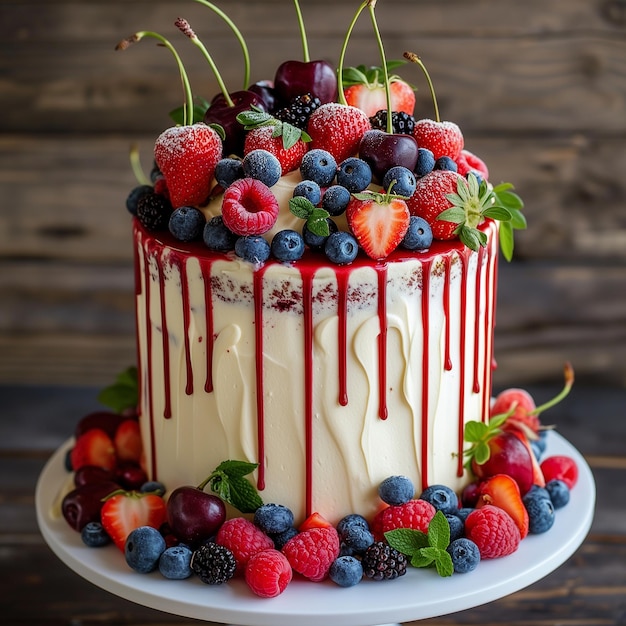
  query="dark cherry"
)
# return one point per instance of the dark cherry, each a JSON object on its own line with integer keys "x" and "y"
{"x": 265, "y": 90}
{"x": 382, "y": 151}
{"x": 295, "y": 78}
{"x": 194, "y": 515}
{"x": 130, "y": 476}
{"x": 470, "y": 495}
{"x": 222, "y": 113}
{"x": 89, "y": 474}
{"x": 83, "y": 504}
{"x": 106, "y": 420}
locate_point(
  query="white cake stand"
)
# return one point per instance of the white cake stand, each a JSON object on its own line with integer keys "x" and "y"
{"x": 420, "y": 594}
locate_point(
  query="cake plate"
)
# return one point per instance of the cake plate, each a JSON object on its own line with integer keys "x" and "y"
{"x": 420, "y": 594}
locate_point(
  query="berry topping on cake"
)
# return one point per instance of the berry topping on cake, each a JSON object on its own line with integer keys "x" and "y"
{"x": 249, "y": 207}
{"x": 493, "y": 530}
{"x": 243, "y": 539}
{"x": 94, "y": 447}
{"x": 382, "y": 562}
{"x": 415, "y": 514}
{"x": 268, "y": 573}
{"x": 502, "y": 491}
{"x": 312, "y": 552}
{"x": 213, "y": 564}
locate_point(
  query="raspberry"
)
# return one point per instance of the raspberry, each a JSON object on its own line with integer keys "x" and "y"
{"x": 243, "y": 539}
{"x": 493, "y": 530}
{"x": 415, "y": 514}
{"x": 560, "y": 467}
{"x": 268, "y": 573}
{"x": 249, "y": 207}
{"x": 312, "y": 552}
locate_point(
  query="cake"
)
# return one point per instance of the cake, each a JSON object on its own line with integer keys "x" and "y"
{"x": 315, "y": 296}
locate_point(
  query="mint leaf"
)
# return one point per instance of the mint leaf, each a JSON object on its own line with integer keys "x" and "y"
{"x": 315, "y": 217}
{"x": 422, "y": 559}
{"x": 406, "y": 540}
{"x": 474, "y": 431}
{"x": 439, "y": 531}
{"x": 301, "y": 207}
{"x": 236, "y": 469}
{"x": 244, "y": 496}
{"x": 123, "y": 393}
{"x": 229, "y": 482}
{"x": 444, "y": 564}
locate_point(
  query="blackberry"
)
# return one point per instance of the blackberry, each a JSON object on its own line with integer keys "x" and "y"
{"x": 299, "y": 110}
{"x": 153, "y": 211}
{"x": 382, "y": 562}
{"x": 213, "y": 564}
{"x": 402, "y": 123}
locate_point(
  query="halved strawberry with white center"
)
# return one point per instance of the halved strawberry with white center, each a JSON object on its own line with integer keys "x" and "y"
{"x": 94, "y": 447}
{"x": 249, "y": 207}
{"x": 124, "y": 511}
{"x": 187, "y": 156}
{"x": 378, "y": 221}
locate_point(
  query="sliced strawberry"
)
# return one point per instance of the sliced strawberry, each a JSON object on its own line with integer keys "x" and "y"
{"x": 126, "y": 510}
{"x": 127, "y": 441}
{"x": 315, "y": 520}
{"x": 187, "y": 156}
{"x": 338, "y": 129}
{"x": 249, "y": 207}
{"x": 502, "y": 491}
{"x": 441, "y": 138}
{"x": 369, "y": 94}
{"x": 94, "y": 447}
{"x": 378, "y": 221}
{"x": 265, "y": 138}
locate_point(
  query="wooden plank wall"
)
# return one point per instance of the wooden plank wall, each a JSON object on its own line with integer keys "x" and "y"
{"x": 539, "y": 89}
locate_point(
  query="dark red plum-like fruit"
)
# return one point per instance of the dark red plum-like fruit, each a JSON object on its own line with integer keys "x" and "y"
{"x": 296, "y": 78}
{"x": 83, "y": 504}
{"x": 382, "y": 151}
{"x": 131, "y": 476}
{"x": 90, "y": 474}
{"x": 194, "y": 515}
{"x": 265, "y": 90}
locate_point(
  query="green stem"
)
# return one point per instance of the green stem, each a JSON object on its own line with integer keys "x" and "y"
{"x": 188, "y": 109}
{"x": 568, "y": 372}
{"x": 344, "y": 47}
{"x": 185, "y": 28}
{"x": 303, "y": 38}
{"x": 415, "y": 59}
{"x": 381, "y": 49}
{"x": 135, "y": 164}
{"x": 238, "y": 35}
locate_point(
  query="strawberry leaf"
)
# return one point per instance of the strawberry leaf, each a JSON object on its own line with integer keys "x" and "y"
{"x": 455, "y": 214}
{"x": 506, "y": 240}
{"x": 498, "y": 213}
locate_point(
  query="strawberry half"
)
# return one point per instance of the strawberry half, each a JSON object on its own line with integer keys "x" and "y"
{"x": 338, "y": 129}
{"x": 187, "y": 156}
{"x": 127, "y": 441}
{"x": 93, "y": 447}
{"x": 502, "y": 491}
{"x": 124, "y": 511}
{"x": 378, "y": 221}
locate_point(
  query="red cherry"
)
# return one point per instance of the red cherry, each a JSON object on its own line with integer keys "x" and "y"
{"x": 194, "y": 515}
{"x": 382, "y": 151}
{"x": 83, "y": 504}
{"x": 296, "y": 78}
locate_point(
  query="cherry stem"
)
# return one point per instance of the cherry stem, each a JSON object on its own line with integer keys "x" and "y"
{"x": 411, "y": 56}
{"x": 185, "y": 28}
{"x": 238, "y": 35}
{"x": 135, "y": 164}
{"x": 305, "y": 45}
{"x": 344, "y": 47}
{"x": 568, "y": 372}
{"x": 188, "y": 108}
{"x": 381, "y": 49}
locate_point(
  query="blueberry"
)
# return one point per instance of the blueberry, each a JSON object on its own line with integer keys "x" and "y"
{"x": 252, "y": 248}
{"x": 463, "y": 513}
{"x": 175, "y": 562}
{"x": 559, "y": 493}
{"x": 446, "y": 163}
{"x": 396, "y": 490}
{"x": 404, "y": 181}
{"x": 341, "y": 248}
{"x": 287, "y": 245}
{"x": 217, "y": 237}
{"x": 280, "y": 539}
{"x": 353, "y": 520}
{"x": 273, "y": 519}
{"x": 357, "y": 539}
{"x": 187, "y": 223}
{"x": 346, "y": 571}
{"x": 335, "y": 199}
{"x": 537, "y": 492}
{"x": 262, "y": 165}
{"x": 425, "y": 162}
{"x": 94, "y": 535}
{"x": 457, "y": 526}
{"x": 354, "y": 174}
{"x": 134, "y": 196}
{"x": 540, "y": 512}
{"x": 539, "y": 445}
{"x": 465, "y": 555}
{"x": 144, "y": 546}
{"x": 153, "y": 486}
{"x": 320, "y": 166}
{"x": 441, "y": 497}
{"x": 317, "y": 242}
{"x": 310, "y": 190}
{"x": 419, "y": 235}
{"x": 227, "y": 171}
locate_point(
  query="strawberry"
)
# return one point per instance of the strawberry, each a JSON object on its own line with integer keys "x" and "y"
{"x": 127, "y": 441}
{"x": 365, "y": 89}
{"x": 265, "y": 138}
{"x": 502, "y": 491}
{"x": 315, "y": 520}
{"x": 187, "y": 156}
{"x": 441, "y": 138}
{"x": 522, "y": 405}
{"x": 378, "y": 221}
{"x": 124, "y": 511}
{"x": 93, "y": 447}
{"x": 338, "y": 129}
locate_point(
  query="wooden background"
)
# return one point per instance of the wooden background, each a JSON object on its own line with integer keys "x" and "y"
{"x": 538, "y": 87}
